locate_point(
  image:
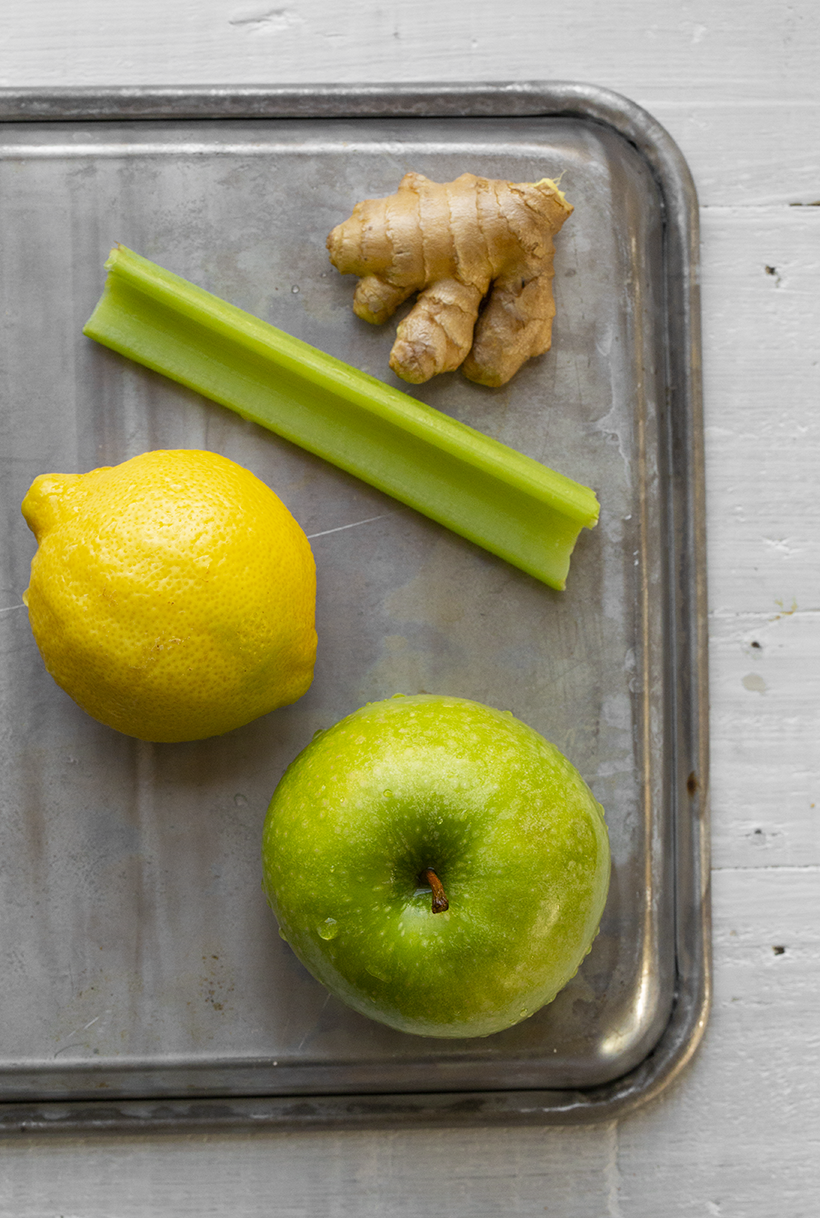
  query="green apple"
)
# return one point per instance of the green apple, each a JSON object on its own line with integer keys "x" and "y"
{"x": 437, "y": 864}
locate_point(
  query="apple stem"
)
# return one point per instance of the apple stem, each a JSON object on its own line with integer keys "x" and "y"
{"x": 440, "y": 902}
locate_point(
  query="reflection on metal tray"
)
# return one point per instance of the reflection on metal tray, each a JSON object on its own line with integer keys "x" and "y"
{"x": 144, "y": 979}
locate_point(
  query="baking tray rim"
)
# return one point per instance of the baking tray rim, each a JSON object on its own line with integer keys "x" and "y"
{"x": 689, "y": 787}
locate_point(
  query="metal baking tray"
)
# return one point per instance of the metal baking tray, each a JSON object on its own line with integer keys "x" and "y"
{"x": 144, "y": 981}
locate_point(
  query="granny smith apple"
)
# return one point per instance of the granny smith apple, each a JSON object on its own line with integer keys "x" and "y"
{"x": 437, "y": 864}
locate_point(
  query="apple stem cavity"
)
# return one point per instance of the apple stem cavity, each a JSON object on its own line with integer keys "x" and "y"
{"x": 440, "y": 902}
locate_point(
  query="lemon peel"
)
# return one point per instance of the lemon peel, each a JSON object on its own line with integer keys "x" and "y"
{"x": 172, "y": 596}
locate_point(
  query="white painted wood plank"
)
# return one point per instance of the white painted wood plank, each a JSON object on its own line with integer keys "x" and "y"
{"x": 761, "y": 273}
{"x": 747, "y": 51}
{"x": 740, "y": 1136}
{"x": 746, "y": 154}
{"x": 480, "y": 1173}
{"x": 765, "y": 730}
{"x": 761, "y": 303}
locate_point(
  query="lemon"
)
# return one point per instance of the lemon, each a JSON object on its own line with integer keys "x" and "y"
{"x": 173, "y": 596}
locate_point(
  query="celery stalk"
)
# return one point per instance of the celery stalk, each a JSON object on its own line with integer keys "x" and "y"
{"x": 489, "y": 493}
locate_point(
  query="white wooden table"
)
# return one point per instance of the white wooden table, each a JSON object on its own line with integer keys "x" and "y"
{"x": 737, "y": 83}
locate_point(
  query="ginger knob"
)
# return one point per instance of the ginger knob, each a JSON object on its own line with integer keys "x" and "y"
{"x": 479, "y": 253}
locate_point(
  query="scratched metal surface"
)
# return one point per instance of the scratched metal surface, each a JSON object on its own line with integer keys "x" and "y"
{"x": 138, "y": 955}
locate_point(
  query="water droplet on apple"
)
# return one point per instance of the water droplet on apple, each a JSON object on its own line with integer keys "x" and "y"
{"x": 387, "y": 793}
{"x": 524, "y": 1013}
{"x": 282, "y": 934}
{"x": 329, "y": 929}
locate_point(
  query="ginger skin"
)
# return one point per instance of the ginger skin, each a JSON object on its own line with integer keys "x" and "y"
{"x": 456, "y": 244}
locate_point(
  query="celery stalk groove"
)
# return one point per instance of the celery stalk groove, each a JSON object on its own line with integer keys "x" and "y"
{"x": 498, "y": 498}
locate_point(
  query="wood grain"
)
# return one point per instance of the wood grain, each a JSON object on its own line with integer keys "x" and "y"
{"x": 737, "y": 50}
{"x": 740, "y": 1136}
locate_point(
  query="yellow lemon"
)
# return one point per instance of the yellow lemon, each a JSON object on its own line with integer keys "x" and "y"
{"x": 173, "y": 596}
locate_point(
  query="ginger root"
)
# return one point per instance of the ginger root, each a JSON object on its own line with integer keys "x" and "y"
{"x": 457, "y": 244}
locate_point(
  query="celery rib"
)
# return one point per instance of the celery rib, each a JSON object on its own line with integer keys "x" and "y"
{"x": 487, "y": 492}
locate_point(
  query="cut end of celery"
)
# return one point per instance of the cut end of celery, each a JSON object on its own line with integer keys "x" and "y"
{"x": 111, "y": 260}
{"x": 513, "y": 506}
